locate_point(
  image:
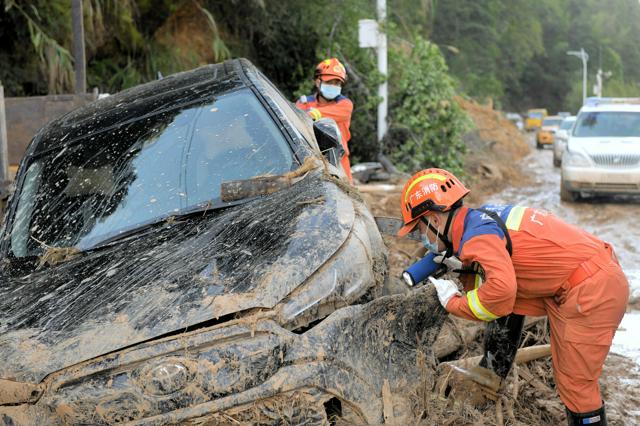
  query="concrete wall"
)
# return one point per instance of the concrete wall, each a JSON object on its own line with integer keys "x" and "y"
{"x": 26, "y": 115}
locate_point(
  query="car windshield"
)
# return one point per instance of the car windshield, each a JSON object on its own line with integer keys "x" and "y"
{"x": 535, "y": 115}
{"x": 608, "y": 123}
{"x": 552, "y": 122}
{"x": 566, "y": 124}
{"x": 139, "y": 172}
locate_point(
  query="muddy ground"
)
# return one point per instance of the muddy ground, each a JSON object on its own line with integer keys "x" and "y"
{"x": 504, "y": 167}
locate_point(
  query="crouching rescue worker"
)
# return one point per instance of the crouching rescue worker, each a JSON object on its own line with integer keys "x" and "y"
{"x": 524, "y": 261}
{"x": 328, "y": 101}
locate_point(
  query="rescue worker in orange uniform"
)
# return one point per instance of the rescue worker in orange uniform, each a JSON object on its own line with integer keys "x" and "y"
{"x": 328, "y": 101}
{"x": 523, "y": 261}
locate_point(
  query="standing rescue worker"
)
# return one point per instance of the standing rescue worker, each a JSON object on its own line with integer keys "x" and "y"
{"x": 524, "y": 261}
{"x": 328, "y": 101}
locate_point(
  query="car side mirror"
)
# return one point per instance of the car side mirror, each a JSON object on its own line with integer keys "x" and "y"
{"x": 329, "y": 139}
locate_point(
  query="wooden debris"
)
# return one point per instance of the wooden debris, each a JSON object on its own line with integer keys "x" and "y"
{"x": 523, "y": 356}
{"x": 264, "y": 185}
{"x": 387, "y": 403}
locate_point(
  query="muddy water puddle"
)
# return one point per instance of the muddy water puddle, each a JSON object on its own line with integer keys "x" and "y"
{"x": 613, "y": 219}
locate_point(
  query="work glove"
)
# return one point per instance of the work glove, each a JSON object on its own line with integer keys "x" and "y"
{"x": 446, "y": 290}
{"x": 452, "y": 263}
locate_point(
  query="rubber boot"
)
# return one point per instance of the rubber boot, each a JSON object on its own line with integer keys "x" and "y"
{"x": 592, "y": 418}
{"x": 501, "y": 341}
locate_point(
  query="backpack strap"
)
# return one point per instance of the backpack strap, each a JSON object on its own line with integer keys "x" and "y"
{"x": 501, "y": 224}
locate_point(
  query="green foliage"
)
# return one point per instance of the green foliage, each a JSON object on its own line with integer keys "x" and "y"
{"x": 424, "y": 110}
{"x": 515, "y": 51}
{"x": 56, "y": 63}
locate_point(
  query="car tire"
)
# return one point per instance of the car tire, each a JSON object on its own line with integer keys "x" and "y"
{"x": 538, "y": 145}
{"x": 557, "y": 162}
{"x": 566, "y": 195}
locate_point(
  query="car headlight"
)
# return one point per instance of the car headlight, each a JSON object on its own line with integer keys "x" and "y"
{"x": 577, "y": 159}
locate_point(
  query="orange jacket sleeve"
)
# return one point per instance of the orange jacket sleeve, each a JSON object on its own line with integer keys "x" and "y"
{"x": 496, "y": 296}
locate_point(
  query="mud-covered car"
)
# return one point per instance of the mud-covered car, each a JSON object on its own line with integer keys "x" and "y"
{"x": 185, "y": 252}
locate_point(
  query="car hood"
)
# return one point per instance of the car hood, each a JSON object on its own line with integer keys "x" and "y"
{"x": 169, "y": 278}
{"x": 606, "y": 145}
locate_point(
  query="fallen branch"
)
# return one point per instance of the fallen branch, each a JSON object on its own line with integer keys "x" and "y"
{"x": 523, "y": 356}
{"x": 380, "y": 187}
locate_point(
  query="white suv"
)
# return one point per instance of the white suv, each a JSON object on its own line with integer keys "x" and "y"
{"x": 603, "y": 150}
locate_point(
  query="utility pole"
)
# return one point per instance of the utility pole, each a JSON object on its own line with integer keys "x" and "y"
{"x": 584, "y": 57}
{"x": 382, "y": 68}
{"x": 600, "y": 77}
{"x": 371, "y": 35}
{"x": 78, "y": 46}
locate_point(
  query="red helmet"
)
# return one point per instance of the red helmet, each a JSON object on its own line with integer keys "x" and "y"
{"x": 428, "y": 191}
{"x": 330, "y": 69}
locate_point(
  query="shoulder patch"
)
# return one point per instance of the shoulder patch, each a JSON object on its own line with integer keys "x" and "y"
{"x": 477, "y": 223}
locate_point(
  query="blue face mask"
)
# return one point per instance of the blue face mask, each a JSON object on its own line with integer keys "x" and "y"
{"x": 329, "y": 91}
{"x": 431, "y": 247}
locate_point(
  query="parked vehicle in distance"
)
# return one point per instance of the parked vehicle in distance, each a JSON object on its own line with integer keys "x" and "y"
{"x": 516, "y": 119}
{"x": 564, "y": 114}
{"x": 546, "y": 134}
{"x": 603, "y": 151}
{"x": 534, "y": 118}
{"x": 560, "y": 140}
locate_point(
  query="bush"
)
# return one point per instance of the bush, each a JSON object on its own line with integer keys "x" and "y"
{"x": 426, "y": 124}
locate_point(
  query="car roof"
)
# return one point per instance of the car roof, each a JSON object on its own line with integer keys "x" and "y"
{"x": 611, "y": 108}
{"x": 611, "y": 104}
{"x": 190, "y": 87}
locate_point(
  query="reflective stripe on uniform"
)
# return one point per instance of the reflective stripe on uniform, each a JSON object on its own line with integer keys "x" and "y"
{"x": 515, "y": 218}
{"x": 317, "y": 115}
{"x": 476, "y": 307}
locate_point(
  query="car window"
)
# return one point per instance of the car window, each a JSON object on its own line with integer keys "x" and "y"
{"x": 552, "y": 122}
{"x": 293, "y": 114}
{"x": 535, "y": 115}
{"x": 607, "y": 123}
{"x": 566, "y": 124}
{"x": 145, "y": 170}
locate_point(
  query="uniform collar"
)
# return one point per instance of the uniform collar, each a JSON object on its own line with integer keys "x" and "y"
{"x": 457, "y": 228}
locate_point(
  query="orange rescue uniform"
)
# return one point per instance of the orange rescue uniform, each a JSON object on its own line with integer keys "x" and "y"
{"x": 556, "y": 269}
{"x": 339, "y": 110}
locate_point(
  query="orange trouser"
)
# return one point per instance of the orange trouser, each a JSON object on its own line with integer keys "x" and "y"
{"x": 582, "y": 330}
{"x": 347, "y": 167}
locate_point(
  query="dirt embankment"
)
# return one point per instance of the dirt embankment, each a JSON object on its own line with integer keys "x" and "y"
{"x": 495, "y": 148}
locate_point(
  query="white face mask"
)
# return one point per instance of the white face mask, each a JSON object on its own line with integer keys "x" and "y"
{"x": 329, "y": 91}
{"x": 432, "y": 247}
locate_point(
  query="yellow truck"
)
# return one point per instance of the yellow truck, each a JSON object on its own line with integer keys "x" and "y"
{"x": 534, "y": 118}
{"x": 547, "y": 132}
